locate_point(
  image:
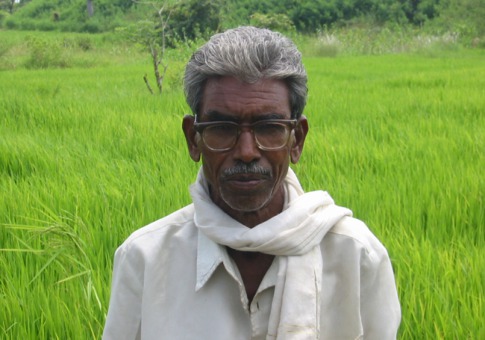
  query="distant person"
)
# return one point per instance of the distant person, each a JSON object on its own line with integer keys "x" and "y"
{"x": 254, "y": 256}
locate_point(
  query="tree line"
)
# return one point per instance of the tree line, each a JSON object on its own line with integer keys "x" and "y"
{"x": 190, "y": 18}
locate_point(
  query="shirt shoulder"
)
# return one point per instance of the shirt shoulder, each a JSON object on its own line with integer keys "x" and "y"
{"x": 177, "y": 224}
{"x": 359, "y": 235}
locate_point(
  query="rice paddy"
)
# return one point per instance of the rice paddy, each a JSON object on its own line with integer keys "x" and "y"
{"x": 87, "y": 156}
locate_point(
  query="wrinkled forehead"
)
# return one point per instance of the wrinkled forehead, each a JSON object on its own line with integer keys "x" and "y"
{"x": 228, "y": 96}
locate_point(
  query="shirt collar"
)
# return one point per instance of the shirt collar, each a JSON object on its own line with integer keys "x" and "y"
{"x": 210, "y": 255}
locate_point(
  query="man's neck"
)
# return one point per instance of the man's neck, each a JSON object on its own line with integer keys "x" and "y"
{"x": 252, "y": 267}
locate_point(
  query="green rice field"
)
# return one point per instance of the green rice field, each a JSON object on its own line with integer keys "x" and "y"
{"x": 87, "y": 156}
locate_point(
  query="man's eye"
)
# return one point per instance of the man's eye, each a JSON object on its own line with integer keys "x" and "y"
{"x": 222, "y": 129}
{"x": 271, "y": 129}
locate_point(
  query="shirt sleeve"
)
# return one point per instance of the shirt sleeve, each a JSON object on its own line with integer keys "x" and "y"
{"x": 123, "y": 321}
{"x": 380, "y": 308}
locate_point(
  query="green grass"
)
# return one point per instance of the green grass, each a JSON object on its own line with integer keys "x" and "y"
{"x": 400, "y": 140}
{"x": 87, "y": 156}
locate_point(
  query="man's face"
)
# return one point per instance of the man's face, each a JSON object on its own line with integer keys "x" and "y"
{"x": 245, "y": 178}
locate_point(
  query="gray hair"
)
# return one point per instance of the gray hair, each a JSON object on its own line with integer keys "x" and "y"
{"x": 248, "y": 54}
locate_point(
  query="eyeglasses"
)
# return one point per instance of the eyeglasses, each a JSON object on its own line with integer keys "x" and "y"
{"x": 270, "y": 135}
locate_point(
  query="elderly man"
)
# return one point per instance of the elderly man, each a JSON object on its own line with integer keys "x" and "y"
{"x": 254, "y": 256}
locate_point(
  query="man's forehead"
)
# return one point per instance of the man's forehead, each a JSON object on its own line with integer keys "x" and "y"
{"x": 228, "y": 95}
{"x": 214, "y": 115}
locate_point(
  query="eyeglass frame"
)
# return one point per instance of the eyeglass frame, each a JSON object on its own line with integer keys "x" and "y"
{"x": 200, "y": 126}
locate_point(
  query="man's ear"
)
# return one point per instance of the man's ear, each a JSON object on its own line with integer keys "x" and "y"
{"x": 298, "y": 139}
{"x": 192, "y": 137}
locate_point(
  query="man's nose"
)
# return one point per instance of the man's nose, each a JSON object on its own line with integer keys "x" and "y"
{"x": 246, "y": 149}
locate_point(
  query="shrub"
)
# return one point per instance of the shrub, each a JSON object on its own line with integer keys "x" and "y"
{"x": 44, "y": 54}
{"x": 276, "y": 22}
{"x": 91, "y": 27}
{"x": 326, "y": 45}
{"x": 3, "y": 16}
{"x": 10, "y": 23}
{"x": 84, "y": 43}
{"x": 4, "y": 48}
{"x": 192, "y": 19}
{"x": 45, "y": 25}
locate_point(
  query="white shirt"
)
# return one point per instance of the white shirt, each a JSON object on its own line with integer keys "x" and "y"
{"x": 172, "y": 282}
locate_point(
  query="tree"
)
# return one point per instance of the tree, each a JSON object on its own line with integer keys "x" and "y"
{"x": 276, "y": 22}
{"x": 90, "y": 8}
{"x": 151, "y": 35}
{"x": 7, "y": 5}
{"x": 192, "y": 19}
{"x": 157, "y": 51}
{"x": 465, "y": 17}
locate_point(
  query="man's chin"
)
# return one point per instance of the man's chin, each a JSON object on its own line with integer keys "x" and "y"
{"x": 247, "y": 204}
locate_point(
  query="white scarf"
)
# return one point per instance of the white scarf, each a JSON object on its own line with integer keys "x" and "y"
{"x": 295, "y": 235}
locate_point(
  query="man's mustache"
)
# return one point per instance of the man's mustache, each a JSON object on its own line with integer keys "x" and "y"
{"x": 246, "y": 168}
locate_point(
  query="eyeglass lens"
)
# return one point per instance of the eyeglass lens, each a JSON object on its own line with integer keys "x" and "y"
{"x": 224, "y": 136}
